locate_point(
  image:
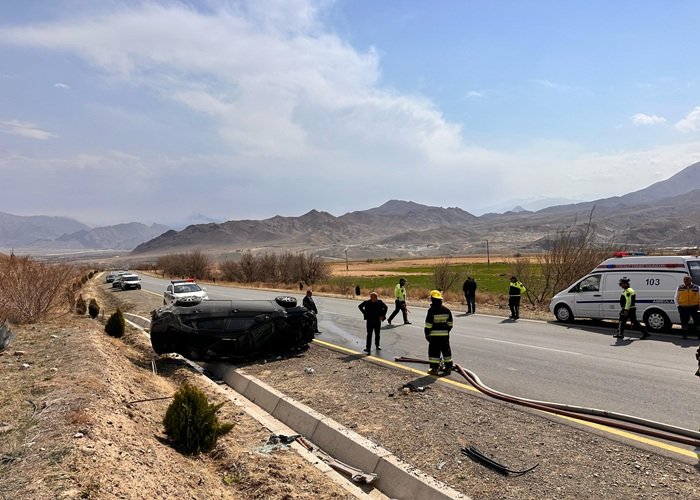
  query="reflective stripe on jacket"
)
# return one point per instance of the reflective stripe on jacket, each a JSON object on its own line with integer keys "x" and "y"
{"x": 438, "y": 322}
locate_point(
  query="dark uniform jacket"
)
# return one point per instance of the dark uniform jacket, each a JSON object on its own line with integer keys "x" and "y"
{"x": 438, "y": 321}
{"x": 309, "y": 303}
{"x": 373, "y": 311}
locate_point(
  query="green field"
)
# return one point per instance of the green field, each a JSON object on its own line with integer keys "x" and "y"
{"x": 492, "y": 277}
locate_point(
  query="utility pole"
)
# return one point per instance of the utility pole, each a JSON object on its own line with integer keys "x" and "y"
{"x": 488, "y": 256}
{"x": 346, "y": 260}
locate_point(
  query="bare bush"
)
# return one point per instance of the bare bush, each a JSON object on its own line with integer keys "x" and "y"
{"x": 31, "y": 290}
{"x": 191, "y": 264}
{"x": 313, "y": 269}
{"x": 569, "y": 254}
{"x": 272, "y": 268}
{"x": 268, "y": 267}
{"x": 445, "y": 277}
{"x": 229, "y": 270}
{"x": 288, "y": 267}
{"x": 248, "y": 268}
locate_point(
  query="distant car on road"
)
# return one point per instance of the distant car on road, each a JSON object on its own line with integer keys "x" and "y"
{"x": 115, "y": 277}
{"x": 130, "y": 282}
{"x": 184, "y": 293}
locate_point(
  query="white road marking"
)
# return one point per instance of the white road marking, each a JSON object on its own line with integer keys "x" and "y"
{"x": 532, "y": 346}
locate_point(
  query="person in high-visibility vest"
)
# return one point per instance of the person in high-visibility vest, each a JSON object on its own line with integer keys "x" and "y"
{"x": 400, "y": 301}
{"x": 438, "y": 324}
{"x": 628, "y": 309}
{"x": 687, "y": 300}
{"x": 515, "y": 290}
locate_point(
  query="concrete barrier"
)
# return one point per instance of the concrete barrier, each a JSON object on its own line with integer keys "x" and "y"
{"x": 395, "y": 478}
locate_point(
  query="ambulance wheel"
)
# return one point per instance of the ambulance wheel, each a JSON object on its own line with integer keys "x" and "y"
{"x": 563, "y": 313}
{"x": 656, "y": 320}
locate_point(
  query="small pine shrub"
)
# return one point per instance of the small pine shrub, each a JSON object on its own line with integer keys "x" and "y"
{"x": 191, "y": 422}
{"x": 80, "y": 305}
{"x": 116, "y": 325}
{"x": 93, "y": 308}
{"x": 83, "y": 279}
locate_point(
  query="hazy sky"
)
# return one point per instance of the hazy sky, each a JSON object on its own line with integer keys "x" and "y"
{"x": 121, "y": 110}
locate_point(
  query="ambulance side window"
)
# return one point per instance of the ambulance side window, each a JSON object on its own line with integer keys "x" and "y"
{"x": 589, "y": 284}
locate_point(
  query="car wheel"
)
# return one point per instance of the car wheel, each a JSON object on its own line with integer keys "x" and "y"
{"x": 286, "y": 301}
{"x": 563, "y": 313}
{"x": 656, "y": 320}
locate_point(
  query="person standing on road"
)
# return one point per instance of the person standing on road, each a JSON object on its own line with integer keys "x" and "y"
{"x": 687, "y": 300}
{"x": 469, "y": 289}
{"x": 628, "y": 309}
{"x": 438, "y": 323}
{"x": 514, "y": 292}
{"x": 374, "y": 311}
{"x": 400, "y": 301}
{"x": 309, "y": 303}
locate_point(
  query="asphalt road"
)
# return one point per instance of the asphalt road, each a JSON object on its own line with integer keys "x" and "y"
{"x": 578, "y": 364}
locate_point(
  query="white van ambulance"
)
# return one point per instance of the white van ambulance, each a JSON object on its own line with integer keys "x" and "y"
{"x": 654, "y": 279}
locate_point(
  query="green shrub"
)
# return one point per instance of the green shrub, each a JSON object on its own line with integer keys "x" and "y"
{"x": 93, "y": 308}
{"x": 80, "y": 305}
{"x": 191, "y": 422}
{"x": 116, "y": 325}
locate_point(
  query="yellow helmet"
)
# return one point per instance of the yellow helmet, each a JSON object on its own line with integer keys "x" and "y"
{"x": 435, "y": 294}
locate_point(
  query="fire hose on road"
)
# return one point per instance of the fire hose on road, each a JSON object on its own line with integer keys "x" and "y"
{"x": 603, "y": 417}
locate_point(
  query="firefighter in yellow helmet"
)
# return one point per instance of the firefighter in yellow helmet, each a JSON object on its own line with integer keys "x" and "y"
{"x": 438, "y": 324}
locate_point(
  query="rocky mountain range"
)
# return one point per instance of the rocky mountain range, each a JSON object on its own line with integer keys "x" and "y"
{"x": 35, "y": 234}
{"x": 665, "y": 214}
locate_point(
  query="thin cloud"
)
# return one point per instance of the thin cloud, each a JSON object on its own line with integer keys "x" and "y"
{"x": 24, "y": 129}
{"x": 551, "y": 85}
{"x": 61, "y": 85}
{"x": 641, "y": 119}
{"x": 691, "y": 123}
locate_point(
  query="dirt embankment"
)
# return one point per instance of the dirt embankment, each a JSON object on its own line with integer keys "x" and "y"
{"x": 74, "y": 424}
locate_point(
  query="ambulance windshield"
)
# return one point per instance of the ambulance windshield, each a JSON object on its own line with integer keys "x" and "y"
{"x": 694, "y": 266}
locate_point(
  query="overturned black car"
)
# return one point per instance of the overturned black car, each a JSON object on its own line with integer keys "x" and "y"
{"x": 219, "y": 329}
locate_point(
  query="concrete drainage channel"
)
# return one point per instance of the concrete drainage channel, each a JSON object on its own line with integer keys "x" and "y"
{"x": 284, "y": 415}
